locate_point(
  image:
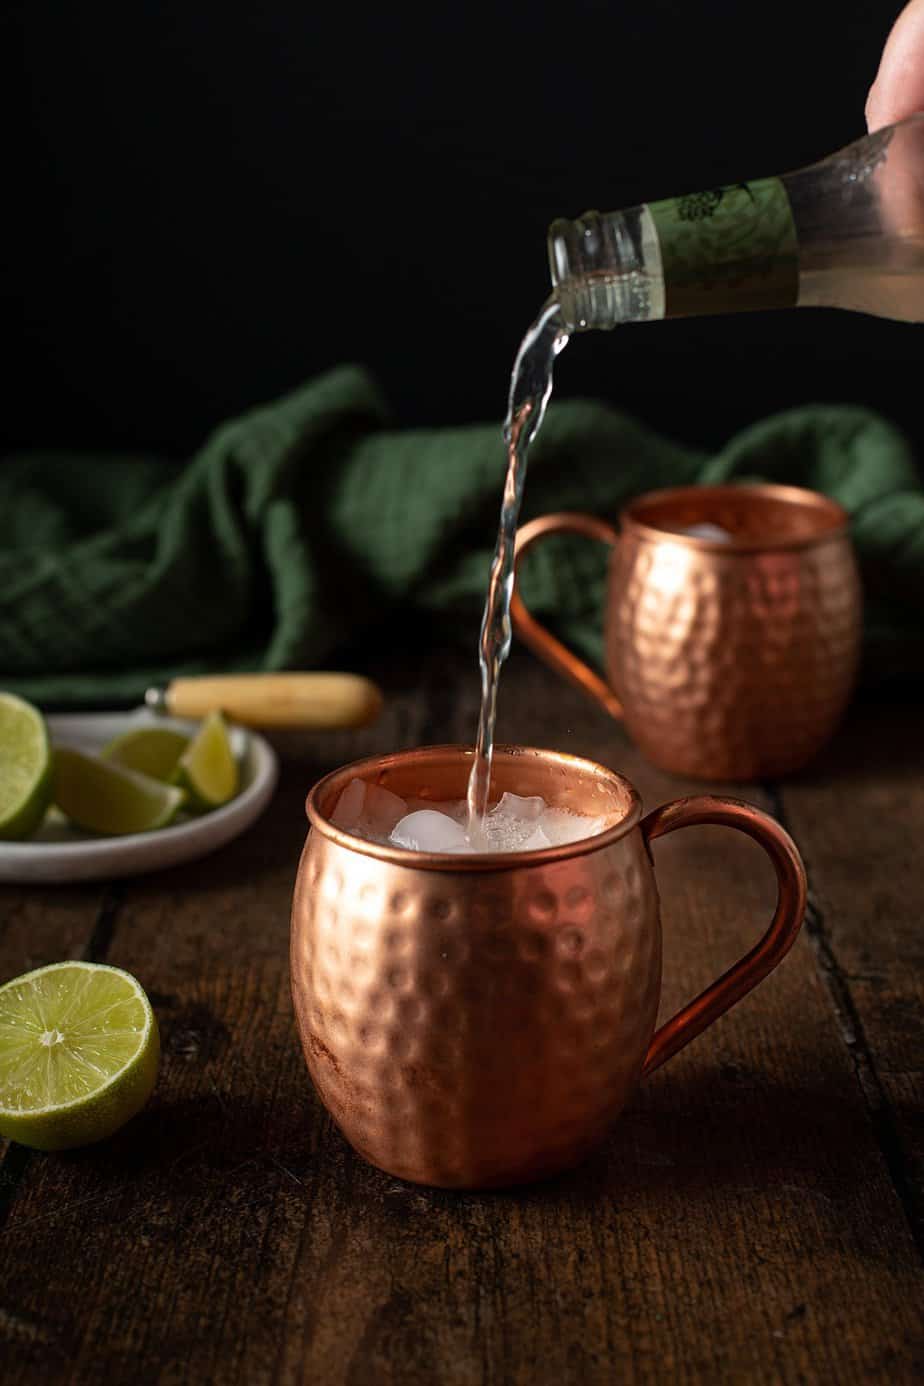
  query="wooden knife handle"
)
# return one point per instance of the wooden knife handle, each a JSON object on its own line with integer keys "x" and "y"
{"x": 316, "y": 702}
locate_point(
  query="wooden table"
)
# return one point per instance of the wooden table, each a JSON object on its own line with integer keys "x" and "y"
{"x": 756, "y": 1215}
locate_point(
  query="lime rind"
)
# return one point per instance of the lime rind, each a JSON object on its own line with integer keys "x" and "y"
{"x": 25, "y": 768}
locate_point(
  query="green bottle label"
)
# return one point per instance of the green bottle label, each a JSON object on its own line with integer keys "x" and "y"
{"x": 728, "y": 250}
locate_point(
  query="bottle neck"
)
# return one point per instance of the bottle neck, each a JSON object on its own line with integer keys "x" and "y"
{"x": 847, "y": 232}
{"x": 727, "y": 250}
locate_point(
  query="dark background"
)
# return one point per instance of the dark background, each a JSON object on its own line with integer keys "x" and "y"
{"x": 207, "y": 203}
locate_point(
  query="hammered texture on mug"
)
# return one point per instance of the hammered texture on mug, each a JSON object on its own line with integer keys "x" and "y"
{"x": 732, "y": 664}
{"x": 475, "y": 1029}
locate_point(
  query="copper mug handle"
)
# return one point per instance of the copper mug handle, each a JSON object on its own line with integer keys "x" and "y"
{"x": 776, "y": 942}
{"x": 541, "y": 641}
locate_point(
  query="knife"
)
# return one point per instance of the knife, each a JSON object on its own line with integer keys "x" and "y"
{"x": 313, "y": 702}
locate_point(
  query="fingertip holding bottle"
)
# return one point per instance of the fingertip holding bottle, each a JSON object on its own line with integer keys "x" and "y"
{"x": 898, "y": 88}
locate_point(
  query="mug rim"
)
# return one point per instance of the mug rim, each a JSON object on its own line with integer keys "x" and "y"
{"x": 463, "y": 863}
{"x": 802, "y": 496}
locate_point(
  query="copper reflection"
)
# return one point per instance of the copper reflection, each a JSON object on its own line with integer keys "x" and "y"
{"x": 480, "y": 1021}
{"x": 727, "y": 660}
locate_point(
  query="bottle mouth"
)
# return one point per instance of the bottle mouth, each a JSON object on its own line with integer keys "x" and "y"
{"x": 573, "y": 248}
{"x": 606, "y": 269}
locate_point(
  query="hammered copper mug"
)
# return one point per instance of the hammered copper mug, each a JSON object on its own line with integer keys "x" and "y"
{"x": 479, "y": 1021}
{"x": 728, "y": 659}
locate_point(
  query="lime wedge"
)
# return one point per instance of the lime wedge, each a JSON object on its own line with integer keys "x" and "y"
{"x": 207, "y": 769}
{"x": 151, "y": 751}
{"x": 78, "y": 1054}
{"x": 105, "y": 798}
{"x": 25, "y": 768}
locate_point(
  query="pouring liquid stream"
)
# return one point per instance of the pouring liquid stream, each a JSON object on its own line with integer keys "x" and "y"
{"x": 530, "y": 388}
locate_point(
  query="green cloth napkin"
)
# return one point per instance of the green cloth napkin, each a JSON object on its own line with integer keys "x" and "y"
{"x": 311, "y": 524}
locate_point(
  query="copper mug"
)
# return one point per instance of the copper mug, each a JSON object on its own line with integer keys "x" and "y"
{"x": 728, "y": 659}
{"x": 479, "y": 1021}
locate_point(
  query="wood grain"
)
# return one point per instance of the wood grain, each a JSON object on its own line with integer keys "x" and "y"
{"x": 741, "y": 1224}
{"x": 860, "y": 819}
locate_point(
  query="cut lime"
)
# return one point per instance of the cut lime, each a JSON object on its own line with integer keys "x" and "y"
{"x": 25, "y": 768}
{"x": 79, "y": 1050}
{"x": 207, "y": 769}
{"x": 105, "y": 798}
{"x": 151, "y": 751}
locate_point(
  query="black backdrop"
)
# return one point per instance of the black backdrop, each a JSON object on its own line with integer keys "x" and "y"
{"x": 208, "y": 202}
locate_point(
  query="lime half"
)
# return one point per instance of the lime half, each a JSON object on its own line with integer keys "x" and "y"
{"x": 105, "y": 798}
{"x": 79, "y": 1050}
{"x": 25, "y": 768}
{"x": 207, "y": 769}
{"x": 151, "y": 751}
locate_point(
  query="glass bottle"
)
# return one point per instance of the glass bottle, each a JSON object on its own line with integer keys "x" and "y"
{"x": 844, "y": 233}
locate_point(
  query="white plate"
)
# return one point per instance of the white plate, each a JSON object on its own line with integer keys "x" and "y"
{"x": 60, "y": 853}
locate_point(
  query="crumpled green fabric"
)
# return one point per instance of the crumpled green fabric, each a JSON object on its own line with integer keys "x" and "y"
{"x": 311, "y": 525}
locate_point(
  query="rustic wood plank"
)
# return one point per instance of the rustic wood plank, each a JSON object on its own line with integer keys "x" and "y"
{"x": 740, "y": 1224}
{"x": 860, "y": 816}
{"x": 39, "y": 926}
